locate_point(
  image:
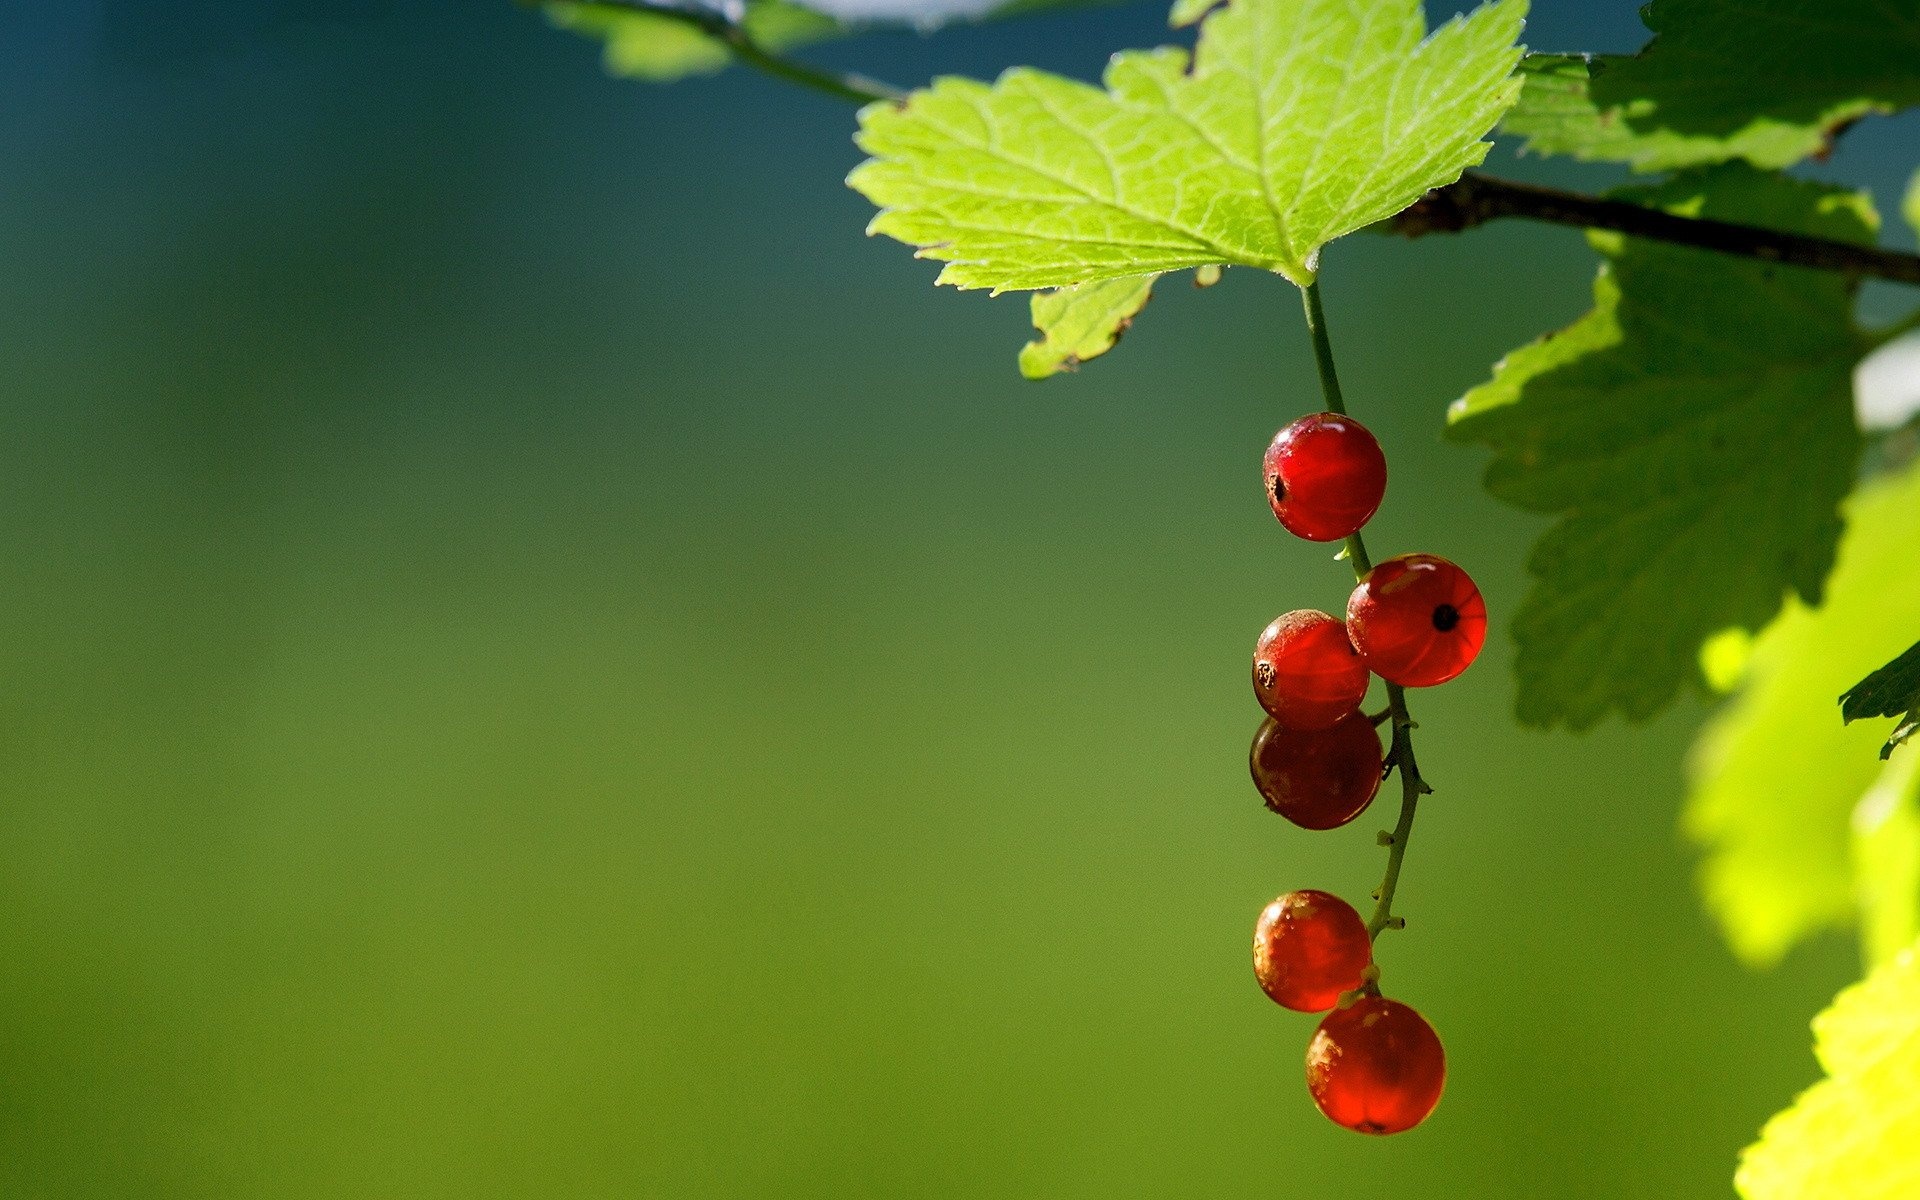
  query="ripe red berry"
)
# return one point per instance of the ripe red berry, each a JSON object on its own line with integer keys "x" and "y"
{"x": 1417, "y": 620}
{"x": 1319, "y": 778}
{"x": 1376, "y": 1066}
{"x": 1306, "y": 673}
{"x": 1325, "y": 476}
{"x": 1308, "y": 947}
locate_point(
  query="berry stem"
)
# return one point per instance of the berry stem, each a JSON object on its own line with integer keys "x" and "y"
{"x": 1400, "y": 754}
{"x": 1412, "y": 787}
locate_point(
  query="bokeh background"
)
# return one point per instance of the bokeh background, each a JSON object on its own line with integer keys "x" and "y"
{"x": 538, "y": 662}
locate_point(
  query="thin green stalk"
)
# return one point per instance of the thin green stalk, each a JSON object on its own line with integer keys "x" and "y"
{"x": 1330, "y": 388}
{"x": 1400, "y": 753}
{"x": 857, "y": 88}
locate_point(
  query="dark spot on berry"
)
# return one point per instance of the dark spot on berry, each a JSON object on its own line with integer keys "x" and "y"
{"x": 1276, "y": 489}
{"x": 1263, "y": 673}
{"x": 1445, "y": 618}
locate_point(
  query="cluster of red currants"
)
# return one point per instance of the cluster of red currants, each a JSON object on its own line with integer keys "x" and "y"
{"x": 1374, "y": 1064}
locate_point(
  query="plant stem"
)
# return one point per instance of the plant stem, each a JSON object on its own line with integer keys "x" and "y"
{"x": 1400, "y": 753}
{"x": 734, "y": 35}
{"x": 1476, "y": 199}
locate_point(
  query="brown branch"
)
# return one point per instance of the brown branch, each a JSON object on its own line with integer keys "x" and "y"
{"x": 1477, "y": 199}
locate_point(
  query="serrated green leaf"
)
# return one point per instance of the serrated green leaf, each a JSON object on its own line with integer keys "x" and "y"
{"x": 1658, "y": 426}
{"x": 1852, "y": 1135}
{"x": 1804, "y": 829}
{"x": 1769, "y": 81}
{"x": 1891, "y": 691}
{"x": 1300, "y": 121}
{"x": 1081, "y": 322}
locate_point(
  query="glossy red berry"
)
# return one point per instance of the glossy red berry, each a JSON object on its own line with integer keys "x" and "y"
{"x": 1306, "y": 673}
{"x": 1308, "y": 948}
{"x": 1376, "y": 1066}
{"x": 1325, "y": 476}
{"x": 1417, "y": 620}
{"x": 1318, "y": 778}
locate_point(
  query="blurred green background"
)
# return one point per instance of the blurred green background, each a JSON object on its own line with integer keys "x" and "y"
{"x": 539, "y": 662}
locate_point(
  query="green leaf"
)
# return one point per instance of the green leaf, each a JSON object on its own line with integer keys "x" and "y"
{"x": 660, "y": 47}
{"x": 1082, "y": 322}
{"x": 1886, "y": 860}
{"x": 1852, "y": 1135}
{"x": 1770, "y": 81}
{"x": 1891, "y": 691}
{"x": 1695, "y": 432}
{"x": 1558, "y": 113}
{"x": 643, "y": 45}
{"x": 1804, "y": 828}
{"x": 1186, "y": 12}
{"x": 1301, "y": 120}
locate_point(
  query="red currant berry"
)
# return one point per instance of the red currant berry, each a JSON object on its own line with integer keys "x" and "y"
{"x": 1417, "y": 620}
{"x": 1305, "y": 671}
{"x": 1308, "y": 947}
{"x": 1325, "y": 476}
{"x": 1319, "y": 778}
{"x": 1376, "y": 1066}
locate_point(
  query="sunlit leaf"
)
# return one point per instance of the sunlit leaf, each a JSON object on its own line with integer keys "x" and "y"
{"x": 1299, "y": 121}
{"x": 1853, "y": 1135}
{"x": 1804, "y": 827}
{"x": 643, "y": 45}
{"x": 1081, "y": 322}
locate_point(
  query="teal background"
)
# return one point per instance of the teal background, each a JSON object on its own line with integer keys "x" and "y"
{"x": 538, "y": 662}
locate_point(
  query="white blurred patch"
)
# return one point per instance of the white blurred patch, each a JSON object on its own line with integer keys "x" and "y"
{"x": 910, "y": 12}
{"x": 924, "y": 14}
{"x": 1886, "y": 384}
